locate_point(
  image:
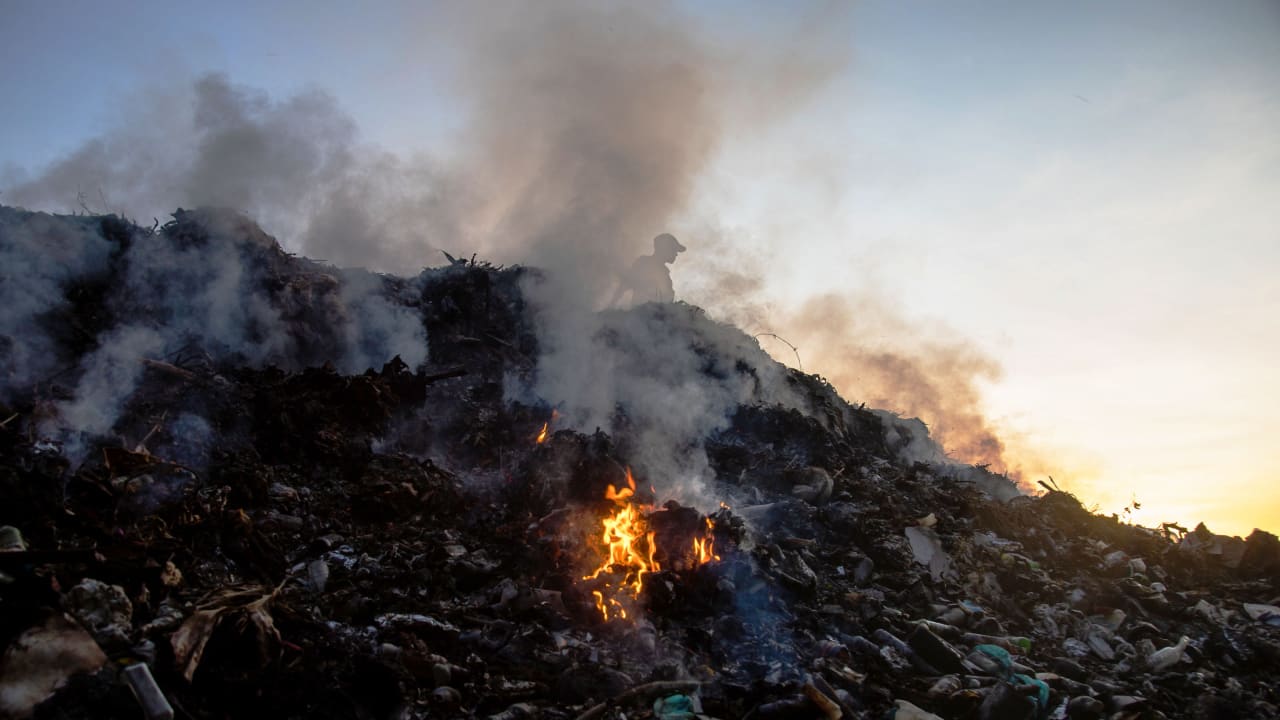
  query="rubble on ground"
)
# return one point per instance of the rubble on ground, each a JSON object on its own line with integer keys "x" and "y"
{"x": 283, "y": 535}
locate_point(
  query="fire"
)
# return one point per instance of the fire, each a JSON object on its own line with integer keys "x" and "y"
{"x": 630, "y": 546}
{"x": 545, "y": 432}
{"x": 704, "y": 547}
{"x": 630, "y": 549}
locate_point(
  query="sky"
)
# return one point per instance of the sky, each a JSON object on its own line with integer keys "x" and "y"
{"x": 1088, "y": 193}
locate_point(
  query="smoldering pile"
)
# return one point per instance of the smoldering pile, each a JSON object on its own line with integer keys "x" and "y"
{"x": 249, "y": 484}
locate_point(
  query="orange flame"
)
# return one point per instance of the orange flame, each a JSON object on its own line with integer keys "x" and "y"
{"x": 545, "y": 432}
{"x": 704, "y": 547}
{"x": 630, "y": 549}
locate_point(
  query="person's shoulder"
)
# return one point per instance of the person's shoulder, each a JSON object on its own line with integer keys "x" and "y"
{"x": 644, "y": 264}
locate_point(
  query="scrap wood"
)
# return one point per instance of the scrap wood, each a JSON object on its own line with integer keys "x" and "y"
{"x": 141, "y": 447}
{"x": 122, "y": 461}
{"x": 170, "y": 369}
{"x": 641, "y": 692}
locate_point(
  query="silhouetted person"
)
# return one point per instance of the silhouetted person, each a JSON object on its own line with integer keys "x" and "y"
{"x": 649, "y": 279}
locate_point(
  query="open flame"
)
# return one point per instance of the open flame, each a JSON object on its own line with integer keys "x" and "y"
{"x": 630, "y": 550}
{"x": 704, "y": 547}
{"x": 545, "y": 432}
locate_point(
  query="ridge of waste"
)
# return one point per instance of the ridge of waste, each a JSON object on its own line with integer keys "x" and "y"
{"x": 256, "y": 510}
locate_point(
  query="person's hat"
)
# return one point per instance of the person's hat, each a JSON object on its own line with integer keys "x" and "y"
{"x": 667, "y": 240}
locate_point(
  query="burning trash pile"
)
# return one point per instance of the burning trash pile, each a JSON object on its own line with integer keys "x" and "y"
{"x": 239, "y": 483}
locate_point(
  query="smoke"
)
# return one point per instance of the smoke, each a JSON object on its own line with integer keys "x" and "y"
{"x": 96, "y": 297}
{"x": 110, "y": 374}
{"x": 875, "y": 356}
{"x": 608, "y": 116}
{"x": 297, "y": 165}
{"x": 587, "y": 128}
{"x": 40, "y": 255}
{"x": 924, "y": 379}
{"x": 592, "y": 125}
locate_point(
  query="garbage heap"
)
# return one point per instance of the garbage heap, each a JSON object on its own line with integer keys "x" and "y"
{"x": 285, "y": 534}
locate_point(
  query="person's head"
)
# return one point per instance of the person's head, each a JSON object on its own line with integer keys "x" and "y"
{"x": 665, "y": 247}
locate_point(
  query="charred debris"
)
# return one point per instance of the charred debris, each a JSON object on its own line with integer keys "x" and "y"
{"x": 260, "y": 511}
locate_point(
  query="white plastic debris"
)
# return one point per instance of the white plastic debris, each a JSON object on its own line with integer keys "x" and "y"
{"x": 1269, "y": 614}
{"x": 154, "y": 704}
{"x": 927, "y": 548}
{"x": 1165, "y": 658}
{"x": 907, "y": 711}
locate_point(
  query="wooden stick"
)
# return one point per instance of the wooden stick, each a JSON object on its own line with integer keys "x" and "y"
{"x": 168, "y": 368}
{"x": 794, "y": 349}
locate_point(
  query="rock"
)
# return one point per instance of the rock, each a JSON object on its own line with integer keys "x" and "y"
{"x": 11, "y": 539}
{"x": 519, "y": 711}
{"x": 445, "y": 697}
{"x": 103, "y": 609}
{"x": 41, "y": 660}
{"x": 945, "y": 686}
{"x": 1069, "y": 668}
{"x": 583, "y": 683}
{"x": 1005, "y": 702}
{"x": 908, "y": 711}
{"x": 813, "y": 486}
{"x": 1127, "y": 703}
{"x": 1085, "y": 708}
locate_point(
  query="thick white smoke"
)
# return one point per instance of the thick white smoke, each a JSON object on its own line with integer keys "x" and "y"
{"x": 587, "y": 129}
{"x": 95, "y": 298}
